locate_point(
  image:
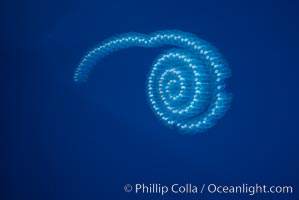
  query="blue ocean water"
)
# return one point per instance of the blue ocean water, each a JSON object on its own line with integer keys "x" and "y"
{"x": 62, "y": 140}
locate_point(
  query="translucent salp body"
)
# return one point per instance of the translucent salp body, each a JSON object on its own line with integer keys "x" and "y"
{"x": 186, "y": 85}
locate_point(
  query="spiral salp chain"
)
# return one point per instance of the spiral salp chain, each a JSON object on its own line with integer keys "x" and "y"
{"x": 186, "y": 86}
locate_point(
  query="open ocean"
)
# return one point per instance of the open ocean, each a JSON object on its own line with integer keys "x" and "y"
{"x": 60, "y": 140}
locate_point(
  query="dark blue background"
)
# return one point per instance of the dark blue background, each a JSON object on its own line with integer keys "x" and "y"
{"x": 61, "y": 140}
